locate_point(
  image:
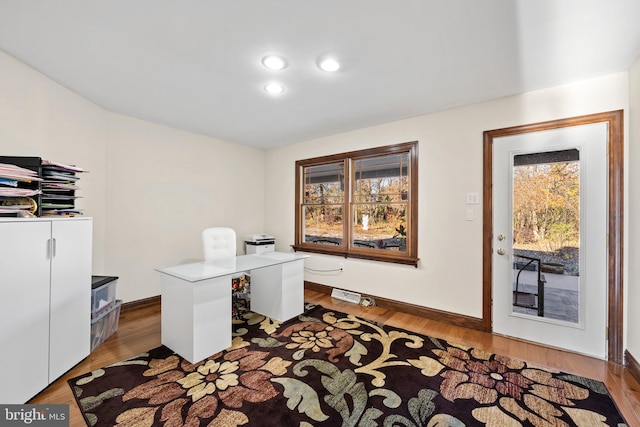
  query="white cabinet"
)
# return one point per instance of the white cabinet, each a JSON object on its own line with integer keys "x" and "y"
{"x": 45, "y": 301}
{"x": 279, "y": 292}
{"x": 70, "y": 303}
{"x": 24, "y": 309}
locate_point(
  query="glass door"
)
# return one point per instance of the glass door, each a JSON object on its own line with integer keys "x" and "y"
{"x": 549, "y": 248}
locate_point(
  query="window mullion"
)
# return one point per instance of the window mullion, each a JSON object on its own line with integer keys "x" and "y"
{"x": 348, "y": 203}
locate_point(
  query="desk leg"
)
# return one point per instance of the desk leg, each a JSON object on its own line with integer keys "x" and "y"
{"x": 196, "y": 317}
{"x": 278, "y": 291}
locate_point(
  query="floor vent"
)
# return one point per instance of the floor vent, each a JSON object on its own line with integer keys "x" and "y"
{"x": 347, "y": 296}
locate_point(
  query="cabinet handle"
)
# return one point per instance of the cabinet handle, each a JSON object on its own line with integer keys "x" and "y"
{"x": 51, "y": 248}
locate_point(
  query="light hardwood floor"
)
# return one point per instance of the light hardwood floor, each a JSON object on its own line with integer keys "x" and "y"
{"x": 139, "y": 331}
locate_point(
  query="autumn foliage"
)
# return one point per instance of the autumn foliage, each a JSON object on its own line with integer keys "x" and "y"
{"x": 546, "y": 205}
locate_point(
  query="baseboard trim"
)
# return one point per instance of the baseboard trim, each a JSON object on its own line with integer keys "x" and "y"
{"x": 632, "y": 365}
{"x": 141, "y": 303}
{"x": 416, "y": 310}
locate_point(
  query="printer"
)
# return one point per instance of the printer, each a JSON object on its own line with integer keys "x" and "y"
{"x": 259, "y": 243}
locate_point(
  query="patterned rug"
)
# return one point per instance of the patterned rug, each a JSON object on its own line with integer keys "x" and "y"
{"x": 327, "y": 368}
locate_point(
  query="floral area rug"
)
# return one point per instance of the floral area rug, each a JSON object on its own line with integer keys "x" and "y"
{"x": 326, "y": 368}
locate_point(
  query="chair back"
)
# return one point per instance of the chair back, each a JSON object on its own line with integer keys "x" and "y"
{"x": 219, "y": 243}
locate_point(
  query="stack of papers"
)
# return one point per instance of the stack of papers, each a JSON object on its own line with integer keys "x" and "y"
{"x": 62, "y": 166}
{"x": 15, "y": 196}
{"x": 12, "y": 174}
{"x": 17, "y": 192}
{"x": 59, "y": 189}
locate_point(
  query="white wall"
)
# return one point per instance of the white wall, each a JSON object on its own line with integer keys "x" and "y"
{"x": 449, "y": 275}
{"x": 164, "y": 186}
{"x": 150, "y": 189}
{"x": 633, "y": 202}
{"x": 41, "y": 118}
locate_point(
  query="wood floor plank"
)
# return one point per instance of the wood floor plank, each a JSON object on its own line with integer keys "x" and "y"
{"x": 139, "y": 331}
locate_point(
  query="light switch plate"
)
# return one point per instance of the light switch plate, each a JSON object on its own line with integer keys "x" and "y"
{"x": 469, "y": 215}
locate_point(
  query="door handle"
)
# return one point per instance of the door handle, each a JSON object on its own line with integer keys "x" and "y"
{"x": 501, "y": 251}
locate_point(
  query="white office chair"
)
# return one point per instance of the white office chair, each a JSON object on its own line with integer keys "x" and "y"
{"x": 219, "y": 243}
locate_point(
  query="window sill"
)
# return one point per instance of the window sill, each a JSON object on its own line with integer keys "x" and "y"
{"x": 382, "y": 257}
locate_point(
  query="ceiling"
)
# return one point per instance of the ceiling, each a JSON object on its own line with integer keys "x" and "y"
{"x": 196, "y": 64}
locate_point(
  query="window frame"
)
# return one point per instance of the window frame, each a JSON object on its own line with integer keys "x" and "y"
{"x": 346, "y": 248}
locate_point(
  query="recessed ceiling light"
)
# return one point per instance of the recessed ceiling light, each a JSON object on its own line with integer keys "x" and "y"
{"x": 328, "y": 64}
{"x": 274, "y": 88}
{"x": 274, "y": 62}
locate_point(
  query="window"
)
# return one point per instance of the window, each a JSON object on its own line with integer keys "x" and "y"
{"x": 361, "y": 204}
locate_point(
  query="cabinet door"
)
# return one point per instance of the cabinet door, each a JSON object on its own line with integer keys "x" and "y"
{"x": 70, "y": 295}
{"x": 24, "y": 309}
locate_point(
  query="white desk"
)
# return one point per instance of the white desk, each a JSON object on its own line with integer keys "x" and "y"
{"x": 196, "y": 299}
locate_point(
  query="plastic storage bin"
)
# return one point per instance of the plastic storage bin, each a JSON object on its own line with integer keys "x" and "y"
{"x": 103, "y": 294}
{"x": 105, "y": 325}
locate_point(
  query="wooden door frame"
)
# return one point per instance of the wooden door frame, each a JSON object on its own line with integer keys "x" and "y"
{"x": 615, "y": 188}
